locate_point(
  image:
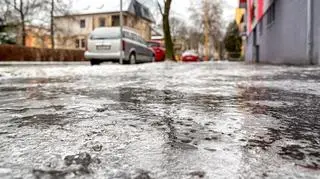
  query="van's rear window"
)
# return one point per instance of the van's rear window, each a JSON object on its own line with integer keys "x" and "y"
{"x": 112, "y": 35}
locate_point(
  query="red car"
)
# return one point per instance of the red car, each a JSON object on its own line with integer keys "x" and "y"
{"x": 190, "y": 56}
{"x": 159, "y": 51}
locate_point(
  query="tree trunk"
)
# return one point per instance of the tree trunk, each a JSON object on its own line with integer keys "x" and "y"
{"x": 23, "y": 25}
{"x": 24, "y": 35}
{"x": 52, "y": 25}
{"x": 166, "y": 29}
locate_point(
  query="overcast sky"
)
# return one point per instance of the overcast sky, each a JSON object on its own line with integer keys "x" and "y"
{"x": 179, "y": 7}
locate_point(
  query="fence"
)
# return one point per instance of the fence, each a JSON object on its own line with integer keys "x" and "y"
{"x": 20, "y": 53}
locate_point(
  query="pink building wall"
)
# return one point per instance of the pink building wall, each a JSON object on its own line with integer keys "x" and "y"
{"x": 255, "y": 11}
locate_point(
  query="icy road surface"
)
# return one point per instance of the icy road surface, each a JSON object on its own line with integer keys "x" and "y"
{"x": 161, "y": 121}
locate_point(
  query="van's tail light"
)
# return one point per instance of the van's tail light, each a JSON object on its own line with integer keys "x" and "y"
{"x": 123, "y": 45}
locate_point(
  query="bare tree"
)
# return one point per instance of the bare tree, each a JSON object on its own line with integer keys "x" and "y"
{"x": 165, "y": 12}
{"x": 208, "y": 16}
{"x": 6, "y": 24}
{"x": 24, "y": 10}
{"x": 4, "y": 11}
{"x": 55, "y": 7}
{"x": 177, "y": 25}
{"x": 52, "y": 23}
{"x": 194, "y": 38}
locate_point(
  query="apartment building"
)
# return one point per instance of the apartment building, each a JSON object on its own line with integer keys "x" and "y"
{"x": 282, "y": 31}
{"x": 72, "y": 30}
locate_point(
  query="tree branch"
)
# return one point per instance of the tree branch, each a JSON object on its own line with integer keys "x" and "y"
{"x": 160, "y": 8}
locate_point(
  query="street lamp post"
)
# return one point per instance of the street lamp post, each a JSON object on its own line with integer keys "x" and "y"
{"x": 121, "y": 34}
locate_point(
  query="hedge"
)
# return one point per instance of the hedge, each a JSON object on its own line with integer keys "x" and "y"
{"x": 20, "y": 53}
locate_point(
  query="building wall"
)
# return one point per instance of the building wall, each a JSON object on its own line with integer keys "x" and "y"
{"x": 38, "y": 40}
{"x": 69, "y": 32}
{"x": 96, "y": 20}
{"x": 36, "y": 36}
{"x": 316, "y": 32}
{"x": 142, "y": 26}
{"x": 254, "y": 14}
{"x": 239, "y": 14}
{"x": 249, "y": 49}
{"x": 284, "y": 41}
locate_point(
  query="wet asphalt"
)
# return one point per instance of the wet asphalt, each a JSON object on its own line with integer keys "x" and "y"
{"x": 161, "y": 120}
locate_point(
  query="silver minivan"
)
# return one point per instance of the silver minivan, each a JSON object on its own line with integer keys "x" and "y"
{"x": 104, "y": 44}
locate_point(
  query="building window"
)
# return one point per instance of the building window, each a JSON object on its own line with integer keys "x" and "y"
{"x": 115, "y": 20}
{"x": 271, "y": 14}
{"x": 82, "y": 23}
{"x": 77, "y": 43}
{"x": 83, "y": 43}
{"x": 102, "y": 22}
{"x": 146, "y": 12}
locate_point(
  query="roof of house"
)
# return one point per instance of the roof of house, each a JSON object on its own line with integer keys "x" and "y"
{"x": 83, "y": 7}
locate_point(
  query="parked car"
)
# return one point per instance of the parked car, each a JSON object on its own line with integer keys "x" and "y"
{"x": 159, "y": 51}
{"x": 104, "y": 44}
{"x": 190, "y": 56}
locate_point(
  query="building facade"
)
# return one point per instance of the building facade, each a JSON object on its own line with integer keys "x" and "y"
{"x": 72, "y": 30}
{"x": 239, "y": 17}
{"x": 38, "y": 37}
{"x": 35, "y": 36}
{"x": 282, "y": 32}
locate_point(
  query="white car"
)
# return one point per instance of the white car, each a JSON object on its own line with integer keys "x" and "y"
{"x": 104, "y": 44}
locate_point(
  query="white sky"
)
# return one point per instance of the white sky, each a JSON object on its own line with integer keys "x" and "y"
{"x": 179, "y": 7}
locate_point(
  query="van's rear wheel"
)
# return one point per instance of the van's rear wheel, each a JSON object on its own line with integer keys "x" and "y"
{"x": 95, "y": 62}
{"x": 132, "y": 59}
